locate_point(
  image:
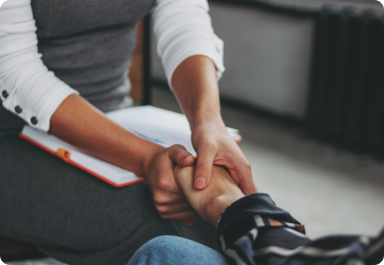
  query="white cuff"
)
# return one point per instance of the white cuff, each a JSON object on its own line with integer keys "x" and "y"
{"x": 27, "y": 88}
{"x": 38, "y": 106}
{"x": 214, "y": 53}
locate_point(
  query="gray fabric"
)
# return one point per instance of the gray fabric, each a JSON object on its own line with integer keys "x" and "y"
{"x": 87, "y": 44}
{"x": 75, "y": 217}
{"x": 9, "y": 122}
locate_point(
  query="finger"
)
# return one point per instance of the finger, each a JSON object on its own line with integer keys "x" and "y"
{"x": 203, "y": 171}
{"x": 166, "y": 181}
{"x": 168, "y": 185}
{"x": 167, "y": 198}
{"x": 184, "y": 178}
{"x": 181, "y": 156}
{"x": 174, "y": 208}
{"x": 180, "y": 216}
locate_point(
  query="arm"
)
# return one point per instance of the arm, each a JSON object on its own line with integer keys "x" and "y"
{"x": 192, "y": 56}
{"x": 57, "y": 107}
{"x": 79, "y": 123}
{"x": 196, "y": 88}
{"x": 61, "y": 111}
{"x": 119, "y": 146}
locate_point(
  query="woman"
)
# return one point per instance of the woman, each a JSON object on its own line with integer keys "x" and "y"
{"x": 60, "y": 77}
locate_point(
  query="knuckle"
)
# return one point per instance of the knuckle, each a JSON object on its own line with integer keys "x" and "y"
{"x": 210, "y": 144}
{"x": 248, "y": 166}
{"x": 163, "y": 183}
{"x": 178, "y": 146}
{"x": 159, "y": 199}
{"x": 207, "y": 144}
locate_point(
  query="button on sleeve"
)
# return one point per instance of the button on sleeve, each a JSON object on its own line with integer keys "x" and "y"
{"x": 5, "y": 94}
{"x": 34, "y": 120}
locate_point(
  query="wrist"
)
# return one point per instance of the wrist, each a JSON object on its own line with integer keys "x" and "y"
{"x": 148, "y": 157}
{"x": 218, "y": 205}
{"x": 207, "y": 117}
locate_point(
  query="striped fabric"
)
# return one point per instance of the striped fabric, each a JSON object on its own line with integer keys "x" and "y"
{"x": 254, "y": 231}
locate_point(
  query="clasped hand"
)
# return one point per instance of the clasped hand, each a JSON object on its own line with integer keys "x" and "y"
{"x": 168, "y": 197}
{"x": 214, "y": 146}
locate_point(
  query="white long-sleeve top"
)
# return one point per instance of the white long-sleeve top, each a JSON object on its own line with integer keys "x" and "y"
{"x": 182, "y": 27}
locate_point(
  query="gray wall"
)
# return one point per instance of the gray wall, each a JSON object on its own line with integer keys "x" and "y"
{"x": 267, "y": 58}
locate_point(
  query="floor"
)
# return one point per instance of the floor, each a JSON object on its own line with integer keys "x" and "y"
{"x": 330, "y": 191}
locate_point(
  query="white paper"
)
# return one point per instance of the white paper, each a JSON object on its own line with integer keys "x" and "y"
{"x": 162, "y": 126}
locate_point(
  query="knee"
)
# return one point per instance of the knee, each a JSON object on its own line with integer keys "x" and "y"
{"x": 163, "y": 246}
{"x": 175, "y": 250}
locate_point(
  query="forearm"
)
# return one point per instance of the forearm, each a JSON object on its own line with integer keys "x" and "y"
{"x": 195, "y": 86}
{"x": 79, "y": 123}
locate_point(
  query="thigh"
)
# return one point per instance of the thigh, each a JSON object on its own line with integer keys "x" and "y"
{"x": 74, "y": 216}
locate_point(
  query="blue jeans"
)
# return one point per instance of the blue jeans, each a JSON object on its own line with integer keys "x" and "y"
{"x": 174, "y": 250}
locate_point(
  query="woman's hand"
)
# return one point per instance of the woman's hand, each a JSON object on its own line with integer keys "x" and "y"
{"x": 158, "y": 167}
{"x": 214, "y": 146}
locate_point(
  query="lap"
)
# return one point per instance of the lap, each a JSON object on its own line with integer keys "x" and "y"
{"x": 70, "y": 214}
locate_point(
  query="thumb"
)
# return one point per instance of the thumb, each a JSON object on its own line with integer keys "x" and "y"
{"x": 203, "y": 171}
{"x": 181, "y": 156}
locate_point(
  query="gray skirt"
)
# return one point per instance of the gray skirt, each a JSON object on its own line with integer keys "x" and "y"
{"x": 73, "y": 216}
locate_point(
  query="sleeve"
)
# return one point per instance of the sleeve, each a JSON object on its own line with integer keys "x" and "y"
{"x": 183, "y": 28}
{"x": 27, "y": 88}
{"x": 253, "y": 230}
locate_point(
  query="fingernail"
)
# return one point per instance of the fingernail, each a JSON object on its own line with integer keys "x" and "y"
{"x": 199, "y": 182}
{"x": 190, "y": 222}
{"x": 187, "y": 156}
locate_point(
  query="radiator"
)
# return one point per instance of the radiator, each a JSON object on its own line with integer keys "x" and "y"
{"x": 346, "y": 97}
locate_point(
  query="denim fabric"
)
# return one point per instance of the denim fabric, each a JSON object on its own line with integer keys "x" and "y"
{"x": 173, "y": 250}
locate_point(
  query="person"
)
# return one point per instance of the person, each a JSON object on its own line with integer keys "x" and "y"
{"x": 64, "y": 63}
{"x": 252, "y": 230}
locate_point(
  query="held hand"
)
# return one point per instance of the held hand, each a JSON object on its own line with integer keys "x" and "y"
{"x": 169, "y": 199}
{"x": 214, "y": 146}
